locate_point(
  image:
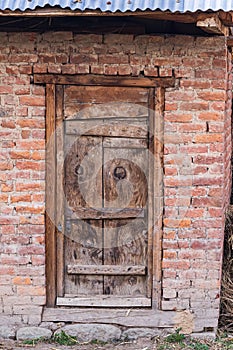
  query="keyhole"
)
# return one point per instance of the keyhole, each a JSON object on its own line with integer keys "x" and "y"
{"x": 78, "y": 170}
{"x": 119, "y": 173}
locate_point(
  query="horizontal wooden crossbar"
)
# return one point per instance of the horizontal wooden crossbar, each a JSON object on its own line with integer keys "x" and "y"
{"x": 105, "y": 301}
{"x": 105, "y": 213}
{"x": 106, "y": 270}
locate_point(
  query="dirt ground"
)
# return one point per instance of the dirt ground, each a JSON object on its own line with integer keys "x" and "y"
{"x": 141, "y": 344}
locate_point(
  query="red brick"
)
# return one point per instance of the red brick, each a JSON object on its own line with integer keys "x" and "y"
{"x": 22, "y": 187}
{"x": 21, "y": 198}
{"x": 170, "y": 171}
{"x": 38, "y": 260}
{"x": 208, "y": 138}
{"x": 22, "y": 280}
{"x": 6, "y": 165}
{"x": 212, "y": 96}
{"x": 208, "y": 223}
{"x": 217, "y": 106}
{"x": 69, "y": 69}
{"x": 210, "y": 74}
{"x": 97, "y": 69}
{"x": 3, "y": 198}
{"x": 195, "y": 83}
{"x": 207, "y": 201}
{"x": 200, "y": 170}
{"x": 215, "y": 212}
{"x": 151, "y": 71}
{"x": 169, "y": 235}
{"x": 4, "y": 89}
{"x": 189, "y": 149}
{"x": 176, "y": 265}
{"x": 192, "y": 127}
{"x": 207, "y": 181}
{"x": 12, "y": 70}
{"x": 61, "y": 58}
{"x": 54, "y": 68}
{"x": 86, "y": 59}
{"x": 110, "y": 69}
{"x": 8, "y": 124}
{"x": 20, "y": 154}
{"x": 22, "y": 90}
{"x": 82, "y": 69}
{"x": 31, "y": 249}
{"x": 40, "y": 68}
{"x": 192, "y": 212}
{"x": 173, "y": 182}
{"x": 30, "y": 290}
{"x": 169, "y": 254}
{"x": 32, "y": 100}
{"x": 178, "y": 118}
{"x": 25, "y": 69}
{"x": 113, "y": 59}
{"x": 23, "y": 58}
{"x": 217, "y": 147}
{"x": 177, "y": 201}
{"x": 195, "y": 106}
{"x": 165, "y": 72}
{"x": 125, "y": 69}
{"x": 25, "y": 134}
{"x": 177, "y": 222}
{"x": 205, "y": 159}
{"x": 38, "y": 155}
{"x": 6, "y": 187}
{"x": 215, "y": 192}
{"x": 216, "y": 127}
{"x": 46, "y": 58}
{"x": 31, "y": 123}
{"x": 9, "y": 220}
{"x": 31, "y": 145}
{"x": 171, "y": 106}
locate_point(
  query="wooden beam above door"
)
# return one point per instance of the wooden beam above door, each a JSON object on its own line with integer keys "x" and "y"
{"x": 100, "y": 80}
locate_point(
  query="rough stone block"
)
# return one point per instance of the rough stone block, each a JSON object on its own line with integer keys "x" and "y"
{"x": 33, "y": 333}
{"x": 88, "y": 332}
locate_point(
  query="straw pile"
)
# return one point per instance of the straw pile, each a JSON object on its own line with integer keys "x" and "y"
{"x": 226, "y": 310}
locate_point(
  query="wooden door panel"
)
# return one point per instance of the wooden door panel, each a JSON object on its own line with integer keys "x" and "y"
{"x": 122, "y": 142}
{"x": 106, "y": 181}
{"x": 125, "y": 245}
{"x": 125, "y": 177}
{"x": 83, "y": 173}
{"x": 109, "y": 110}
{"x": 83, "y": 246}
{"x": 91, "y": 95}
{"x": 117, "y": 127}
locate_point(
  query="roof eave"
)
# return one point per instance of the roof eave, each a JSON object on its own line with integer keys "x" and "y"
{"x": 187, "y": 17}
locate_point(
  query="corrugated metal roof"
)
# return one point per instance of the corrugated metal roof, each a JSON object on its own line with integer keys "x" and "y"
{"x": 121, "y": 5}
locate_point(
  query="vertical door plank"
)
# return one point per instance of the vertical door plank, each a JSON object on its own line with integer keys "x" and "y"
{"x": 151, "y": 192}
{"x": 83, "y": 246}
{"x": 60, "y": 222}
{"x": 50, "y": 196}
{"x": 83, "y": 189}
{"x": 125, "y": 241}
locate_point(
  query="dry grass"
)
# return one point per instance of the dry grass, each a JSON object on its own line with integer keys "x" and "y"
{"x": 226, "y": 313}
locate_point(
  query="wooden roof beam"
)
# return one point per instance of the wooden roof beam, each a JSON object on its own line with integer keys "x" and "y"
{"x": 212, "y": 24}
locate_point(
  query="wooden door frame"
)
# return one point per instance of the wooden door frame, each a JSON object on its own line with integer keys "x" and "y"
{"x": 51, "y": 80}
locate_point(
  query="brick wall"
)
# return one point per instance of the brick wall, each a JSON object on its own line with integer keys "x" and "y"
{"x": 197, "y": 151}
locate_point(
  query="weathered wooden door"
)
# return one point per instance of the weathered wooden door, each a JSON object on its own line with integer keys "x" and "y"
{"x": 104, "y": 196}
